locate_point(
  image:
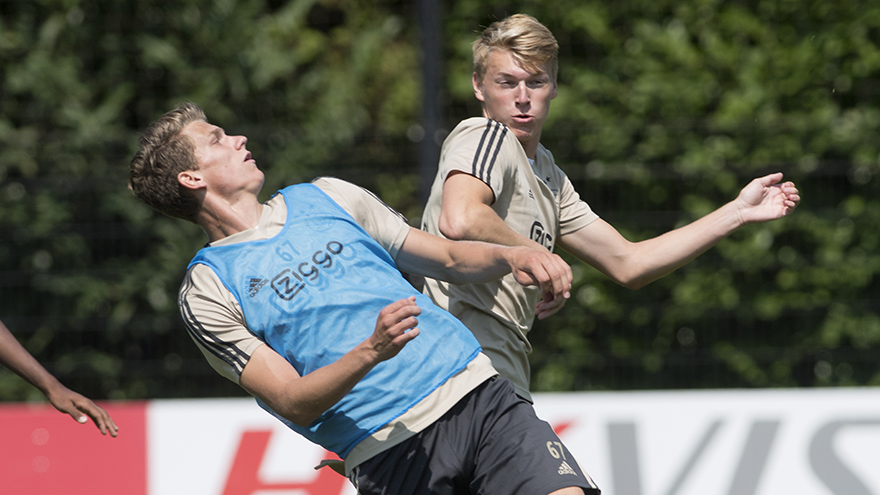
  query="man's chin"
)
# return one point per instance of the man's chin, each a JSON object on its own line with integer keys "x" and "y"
{"x": 524, "y": 135}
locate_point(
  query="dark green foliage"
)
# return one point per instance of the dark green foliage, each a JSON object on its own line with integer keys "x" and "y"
{"x": 665, "y": 110}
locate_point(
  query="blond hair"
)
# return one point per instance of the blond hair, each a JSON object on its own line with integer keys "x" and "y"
{"x": 530, "y": 43}
{"x": 162, "y": 155}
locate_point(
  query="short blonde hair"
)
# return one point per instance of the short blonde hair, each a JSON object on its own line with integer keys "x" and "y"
{"x": 162, "y": 155}
{"x": 530, "y": 43}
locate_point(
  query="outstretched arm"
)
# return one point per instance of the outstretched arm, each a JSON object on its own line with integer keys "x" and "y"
{"x": 20, "y": 361}
{"x": 635, "y": 264}
{"x": 302, "y": 399}
{"x": 476, "y": 262}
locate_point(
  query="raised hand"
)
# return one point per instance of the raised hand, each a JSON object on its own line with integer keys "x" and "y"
{"x": 767, "y": 198}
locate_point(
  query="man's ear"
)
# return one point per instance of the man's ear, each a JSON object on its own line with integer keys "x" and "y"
{"x": 190, "y": 179}
{"x": 478, "y": 87}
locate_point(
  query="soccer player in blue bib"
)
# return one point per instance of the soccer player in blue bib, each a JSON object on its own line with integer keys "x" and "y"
{"x": 301, "y": 301}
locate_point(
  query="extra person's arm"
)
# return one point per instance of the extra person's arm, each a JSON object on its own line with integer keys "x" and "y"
{"x": 302, "y": 399}
{"x": 21, "y": 362}
{"x": 477, "y": 262}
{"x": 635, "y": 264}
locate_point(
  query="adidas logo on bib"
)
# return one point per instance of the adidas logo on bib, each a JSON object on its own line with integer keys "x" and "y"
{"x": 564, "y": 468}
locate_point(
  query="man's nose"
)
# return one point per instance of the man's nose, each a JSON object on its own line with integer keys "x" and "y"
{"x": 522, "y": 93}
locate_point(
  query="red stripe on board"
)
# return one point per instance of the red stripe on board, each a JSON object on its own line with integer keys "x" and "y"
{"x": 44, "y": 451}
{"x": 244, "y": 476}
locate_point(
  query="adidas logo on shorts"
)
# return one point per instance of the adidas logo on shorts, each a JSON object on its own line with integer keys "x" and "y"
{"x": 564, "y": 468}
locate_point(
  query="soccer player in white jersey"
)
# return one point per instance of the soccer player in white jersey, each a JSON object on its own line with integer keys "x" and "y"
{"x": 497, "y": 183}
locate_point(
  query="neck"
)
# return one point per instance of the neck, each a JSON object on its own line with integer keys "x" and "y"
{"x": 531, "y": 148}
{"x": 223, "y": 219}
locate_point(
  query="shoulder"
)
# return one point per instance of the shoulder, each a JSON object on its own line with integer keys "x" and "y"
{"x": 215, "y": 322}
{"x": 480, "y": 147}
{"x": 384, "y": 224}
{"x": 481, "y": 130}
{"x": 354, "y": 199}
{"x": 334, "y": 187}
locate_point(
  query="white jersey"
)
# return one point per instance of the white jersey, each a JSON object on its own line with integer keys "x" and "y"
{"x": 536, "y": 200}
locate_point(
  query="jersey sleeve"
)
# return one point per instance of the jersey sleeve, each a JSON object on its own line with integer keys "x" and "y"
{"x": 215, "y": 322}
{"x": 483, "y": 148}
{"x": 384, "y": 224}
{"x": 574, "y": 213}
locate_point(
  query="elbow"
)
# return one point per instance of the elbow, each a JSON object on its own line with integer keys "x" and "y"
{"x": 298, "y": 414}
{"x": 300, "y": 417}
{"x": 455, "y": 227}
{"x": 304, "y": 420}
{"x": 634, "y": 284}
{"x": 631, "y": 281}
{"x": 630, "y": 273}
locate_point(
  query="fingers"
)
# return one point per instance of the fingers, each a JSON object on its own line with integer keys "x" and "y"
{"x": 399, "y": 315}
{"x": 767, "y": 198}
{"x": 561, "y": 278}
{"x": 395, "y": 327}
{"x": 788, "y": 189}
{"x": 554, "y": 278}
{"x": 557, "y": 292}
{"x": 771, "y": 179}
{"x": 103, "y": 421}
{"x": 544, "y": 269}
{"x": 98, "y": 414}
{"x": 792, "y": 195}
{"x": 545, "y": 309}
{"x": 81, "y": 408}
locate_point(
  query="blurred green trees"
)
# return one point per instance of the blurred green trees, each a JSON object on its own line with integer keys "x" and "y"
{"x": 665, "y": 110}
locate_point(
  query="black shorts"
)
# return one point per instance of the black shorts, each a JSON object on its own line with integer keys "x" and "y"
{"x": 490, "y": 443}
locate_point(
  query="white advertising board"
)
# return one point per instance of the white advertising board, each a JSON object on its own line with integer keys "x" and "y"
{"x": 762, "y": 442}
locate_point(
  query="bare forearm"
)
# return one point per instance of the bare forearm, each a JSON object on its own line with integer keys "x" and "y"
{"x": 635, "y": 264}
{"x": 478, "y": 262}
{"x": 664, "y": 254}
{"x": 457, "y": 262}
{"x": 303, "y": 399}
{"x": 322, "y": 389}
{"x": 762, "y": 199}
{"x": 15, "y": 357}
